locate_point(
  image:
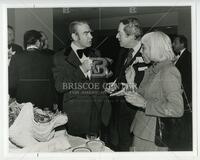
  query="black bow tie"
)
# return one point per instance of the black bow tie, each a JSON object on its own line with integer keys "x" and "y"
{"x": 80, "y": 52}
{"x": 178, "y": 53}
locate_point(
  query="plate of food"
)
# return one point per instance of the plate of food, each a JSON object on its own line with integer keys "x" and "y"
{"x": 125, "y": 90}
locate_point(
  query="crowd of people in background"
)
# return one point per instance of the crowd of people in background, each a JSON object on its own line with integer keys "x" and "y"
{"x": 157, "y": 69}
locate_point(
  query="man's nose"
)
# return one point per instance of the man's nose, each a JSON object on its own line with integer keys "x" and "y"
{"x": 90, "y": 36}
{"x": 117, "y": 36}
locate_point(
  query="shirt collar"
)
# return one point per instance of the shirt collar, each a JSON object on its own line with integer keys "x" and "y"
{"x": 75, "y": 48}
{"x": 31, "y": 47}
{"x": 156, "y": 67}
{"x": 136, "y": 48}
{"x": 182, "y": 51}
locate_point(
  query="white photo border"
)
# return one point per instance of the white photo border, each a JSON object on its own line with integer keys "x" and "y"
{"x": 195, "y": 5}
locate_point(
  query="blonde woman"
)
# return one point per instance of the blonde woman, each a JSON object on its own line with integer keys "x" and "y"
{"x": 159, "y": 94}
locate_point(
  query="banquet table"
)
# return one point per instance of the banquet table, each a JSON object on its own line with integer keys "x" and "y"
{"x": 74, "y": 141}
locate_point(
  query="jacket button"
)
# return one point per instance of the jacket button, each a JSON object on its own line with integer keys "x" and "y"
{"x": 156, "y": 99}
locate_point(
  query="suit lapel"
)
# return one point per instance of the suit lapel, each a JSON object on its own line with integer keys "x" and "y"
{"x": 183, "y": 57}
{"x": 138, "y": 54}
{"x": 73, "y": 59}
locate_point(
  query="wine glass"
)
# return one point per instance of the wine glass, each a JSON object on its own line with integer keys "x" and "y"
{"x": 95, "y": 145}
{"x": 91, "y": 136}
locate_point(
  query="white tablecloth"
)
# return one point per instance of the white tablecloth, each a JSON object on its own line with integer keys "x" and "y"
{"x": 73, "y": 141}
{"x": 80, "y": 142}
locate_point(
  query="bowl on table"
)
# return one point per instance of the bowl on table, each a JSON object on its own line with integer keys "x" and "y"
{"x": 95, "y": 145}
{"x": 81, "y": 149}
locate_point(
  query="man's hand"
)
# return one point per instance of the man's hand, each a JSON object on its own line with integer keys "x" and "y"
{"x": 111, "y": 87}
{"x": 86, "y": 65}
{"x": 130, "y": 75}
{"x": 10, "y": 53}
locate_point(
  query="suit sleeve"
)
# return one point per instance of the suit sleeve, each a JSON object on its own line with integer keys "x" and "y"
{"x": 186, "y": 73}
{"x": 66, "y": 76}
{"x": 52, "y": 82}
{"x": 172, "y": 105}
{"x": 13, "y": 76}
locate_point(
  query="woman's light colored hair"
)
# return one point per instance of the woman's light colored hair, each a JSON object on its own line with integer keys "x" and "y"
{"x": 160, "y": 46}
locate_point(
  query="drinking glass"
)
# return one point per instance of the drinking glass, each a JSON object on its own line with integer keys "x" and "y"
{"x": 92, "y": 136}
{"x": 81, "y": 149}
{"x": 95, "y": 145}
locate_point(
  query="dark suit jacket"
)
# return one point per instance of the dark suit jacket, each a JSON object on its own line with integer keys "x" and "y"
{"x": 85, "y": 108}
{"x": 122, "y": 67}
{"x": 31, "y": 78}
{"x": 48, "y": 51}
{"x": 16, "y": 47}
{"x": 184, "y": 64}
{"x": 123, "y": 112}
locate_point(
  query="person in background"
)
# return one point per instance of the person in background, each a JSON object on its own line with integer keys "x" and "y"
{"x": 87, "y": 109}
{"x": 129, "y": 36}
{"x": 159, "y": 94}
{"x": 13, "y": 48}
{"x": 30, "y": 74}
{"x": 45, "y": 46}
{"x": 183, "y": 62}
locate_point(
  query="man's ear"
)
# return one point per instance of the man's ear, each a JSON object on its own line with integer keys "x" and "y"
{"x": 38, "y": 44}
{"x": 132, "y": 36}
{"x": 74, "y": 37}
{"x": 182, "y": 45}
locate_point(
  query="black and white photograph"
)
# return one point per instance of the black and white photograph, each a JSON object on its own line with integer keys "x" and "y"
{"x": 106, "y": 79}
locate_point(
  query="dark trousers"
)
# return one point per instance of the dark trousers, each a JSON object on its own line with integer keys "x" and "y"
{"x": 122, "y": 117}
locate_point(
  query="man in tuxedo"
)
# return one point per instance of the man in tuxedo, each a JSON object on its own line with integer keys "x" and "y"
{"x": 30, "y": 74}
{"x": 12, "y": 47}
{"x": 45, "y": 46}
{"x": 129, "y": 35}
{"x": 83, "y": 102}
{"x": 184, "y": 63}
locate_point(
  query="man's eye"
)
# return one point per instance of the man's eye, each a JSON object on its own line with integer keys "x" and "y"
{"x": 87, "y": 33}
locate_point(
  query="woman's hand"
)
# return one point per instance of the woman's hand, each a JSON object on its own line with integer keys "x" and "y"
{"x": 136, "y": 100}
{"x": 130, "y": 75}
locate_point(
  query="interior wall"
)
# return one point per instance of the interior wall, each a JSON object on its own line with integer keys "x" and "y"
{"x": 147, "y": 20}
{"x": 184, "y": 26}
{"x": 23, "y": 19}
{"x": 28, "y": 18}
{"x": 11, "y": 17}
{"x": 104, "y": 24}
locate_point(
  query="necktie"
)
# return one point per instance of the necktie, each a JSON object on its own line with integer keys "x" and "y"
{"x": 129, "y": 57}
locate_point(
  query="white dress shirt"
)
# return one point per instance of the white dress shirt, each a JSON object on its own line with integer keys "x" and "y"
{"x": 75, "y": 48}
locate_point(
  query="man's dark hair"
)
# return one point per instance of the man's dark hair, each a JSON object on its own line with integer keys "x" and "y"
{"x": 132, "y": 26}
{"x": 31, "y": 37}
{"x": 182, "y": 40}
